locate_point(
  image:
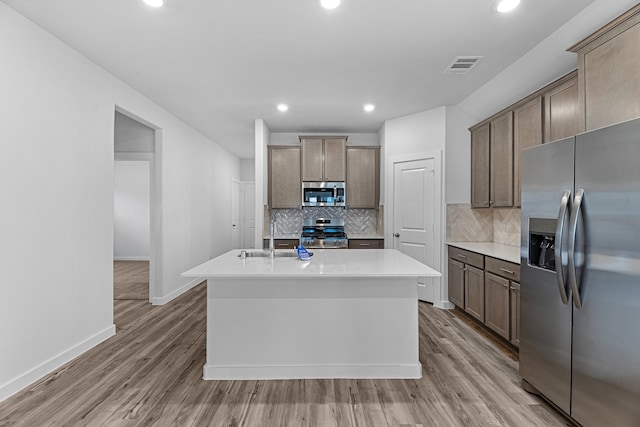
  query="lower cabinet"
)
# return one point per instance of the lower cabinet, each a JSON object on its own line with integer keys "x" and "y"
{"x": 282, "y": 243}
{"x": 515, "y": 314}
{"x": 474, "y": 292}
{"x": 496, "y": 300}
{"x": 488, "y": 289}
{"x": 366, "y": 244}
{"x": 456, "y": 282}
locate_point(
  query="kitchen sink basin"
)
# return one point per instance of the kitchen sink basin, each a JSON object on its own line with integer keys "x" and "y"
{"x": 265, "y": 254}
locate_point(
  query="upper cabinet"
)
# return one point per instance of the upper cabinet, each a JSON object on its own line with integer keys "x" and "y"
{"x": 501, "y": 163}
{"x": 323, "y": 158}
{"x": 284, "y": 177}
{"x": 561, "y": 109}
{"x": 527, "y": 132}
{"x": 363, "y": 177}
{"x": 608, "y": 76}
{"x": 480, "y": 166}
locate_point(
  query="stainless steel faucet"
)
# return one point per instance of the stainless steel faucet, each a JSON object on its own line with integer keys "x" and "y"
{"x": 272, "y": 249}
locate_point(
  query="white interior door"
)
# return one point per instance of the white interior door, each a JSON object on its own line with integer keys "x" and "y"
{"x": 235, "y": 214}
{"x": 248, "y": 214}
{"x": 414, "y": 212}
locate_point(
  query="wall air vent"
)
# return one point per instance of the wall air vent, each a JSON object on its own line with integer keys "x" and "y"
{"x": 462, "y": 64}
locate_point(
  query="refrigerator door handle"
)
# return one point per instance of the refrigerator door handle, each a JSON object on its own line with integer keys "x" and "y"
{"x": 562, "y": 214}
{"x": 573, "y": 228}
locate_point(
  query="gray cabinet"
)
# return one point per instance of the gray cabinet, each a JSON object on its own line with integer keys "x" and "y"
{"x": 323, "y": 158}
{"x": 466, "y": 281}
{"x": 497, "y": 304}
{"x": 561, "y": 109}
{"x": 488, "y": 289}
{"x": 456, "y": 282}
{"x": 366, "y": 244}
{"x": 609, "y": 81}
{"x": 527, "y": 132}
{"x": 363, "y": 177}
{"x": 501, "y": 162}
{"x": 480, "y": 144}
{"x": 282, "y": 243}
{"x": 515, "y": 313}
{"x": 474, "y": 292}
{"x": 284, "y": 190}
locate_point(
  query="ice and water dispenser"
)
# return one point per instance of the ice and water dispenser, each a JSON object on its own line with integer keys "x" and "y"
{"x": 542, "y": 236}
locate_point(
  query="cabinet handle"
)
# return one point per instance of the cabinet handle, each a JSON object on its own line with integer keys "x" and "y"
{"x": 507, "y": 271}
{"x": 505, "y": 285}
{"x": 365, "y": 244}
{"x": 513, "y": 288}
{"x": 462, "y": 256}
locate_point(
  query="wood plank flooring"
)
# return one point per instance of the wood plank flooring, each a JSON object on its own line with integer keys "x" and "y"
{"x": 150, "y": 374}
{"x": 131, "y": 280}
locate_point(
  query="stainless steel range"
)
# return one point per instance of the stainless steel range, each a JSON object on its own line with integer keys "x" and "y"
{"x": 324, "y": 233}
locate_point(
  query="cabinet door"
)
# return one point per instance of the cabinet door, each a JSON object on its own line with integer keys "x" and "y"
{"x": 496, "y": 315}
{"x": 456, "y": 282}
{"x": 474, "y": 292}
{"x": 363, "y": 177}
{"x": 501, "y": 163}
{"x": 285, "y": 190}
{"x": 527, "y": 132}
{"x": 312, "y": 159}
{"x": 609, "y": 69}
{"x": 480, "y": 166}
{"x": 335, "y": 159}
{"x": 515, "y": 314}
{"x": 561, "y": 111}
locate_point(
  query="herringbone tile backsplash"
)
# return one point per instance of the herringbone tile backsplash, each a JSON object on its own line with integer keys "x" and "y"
{"x": 356, "y": 221}
{"x": 483, "y": 225}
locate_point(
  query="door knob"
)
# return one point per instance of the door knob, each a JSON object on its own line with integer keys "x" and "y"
{"x": 396, "y": 234}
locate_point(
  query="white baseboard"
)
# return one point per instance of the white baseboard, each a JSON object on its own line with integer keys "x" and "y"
{"x": 131, "y": 258}
{"x": 284, "y": 372}
{"x": 445, "y": 305}
{"x": 175, "y": 294}
{"x": 33, "y": 375}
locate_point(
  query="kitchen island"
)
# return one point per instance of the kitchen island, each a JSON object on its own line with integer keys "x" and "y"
{"x": 342, "y": 314}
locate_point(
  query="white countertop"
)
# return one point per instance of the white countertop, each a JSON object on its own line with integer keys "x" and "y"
{"x": 495, "y": 250}
{"x": 325, "y": 262}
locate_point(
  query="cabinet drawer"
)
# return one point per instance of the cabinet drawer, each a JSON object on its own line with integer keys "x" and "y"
{"x": 365, "y": 244}
{"x": 468, "y": 257}
{"x": 282, "y": 243}
{"x": 503, "y": 268}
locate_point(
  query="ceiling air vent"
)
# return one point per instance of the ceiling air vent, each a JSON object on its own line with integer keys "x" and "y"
{"x": 462, "y": 64}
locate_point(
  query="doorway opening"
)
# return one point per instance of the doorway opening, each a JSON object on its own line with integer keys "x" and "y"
{"x": 135, "y": 256}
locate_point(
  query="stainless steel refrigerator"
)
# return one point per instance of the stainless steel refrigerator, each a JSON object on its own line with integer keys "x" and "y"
{"x": 580, "y": 275}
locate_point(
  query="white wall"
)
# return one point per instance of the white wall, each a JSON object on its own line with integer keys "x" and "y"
{"x": 458, "y": 155}
{"x": 247, "y": 170}
{"x": 262, "y": 138}
{"x": 131, "y": 214}
{"x": 57, "y": 136}
{"x": 353, "y": 138}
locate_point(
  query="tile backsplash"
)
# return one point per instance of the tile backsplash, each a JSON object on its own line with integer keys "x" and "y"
{"x": 356, "y": 221}
{"x": 483, "y": 225}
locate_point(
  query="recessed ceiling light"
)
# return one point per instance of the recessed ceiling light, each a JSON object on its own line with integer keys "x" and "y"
{"x": 507, "y": 5}
{"x": 283, "y": 107}
{"x": 369, "y": 108}
{"x": 330, "y": 4}
{"x": 154, "y": 3}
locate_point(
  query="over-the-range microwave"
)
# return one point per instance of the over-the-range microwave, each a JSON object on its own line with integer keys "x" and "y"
{"x": 323, "y": 194}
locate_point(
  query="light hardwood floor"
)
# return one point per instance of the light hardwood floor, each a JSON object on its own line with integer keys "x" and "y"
{"x": 131, "y": 280}
{"x": 150, "y": 373}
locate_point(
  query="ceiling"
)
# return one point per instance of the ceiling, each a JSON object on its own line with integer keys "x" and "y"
{"x": 219, "y": 65}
